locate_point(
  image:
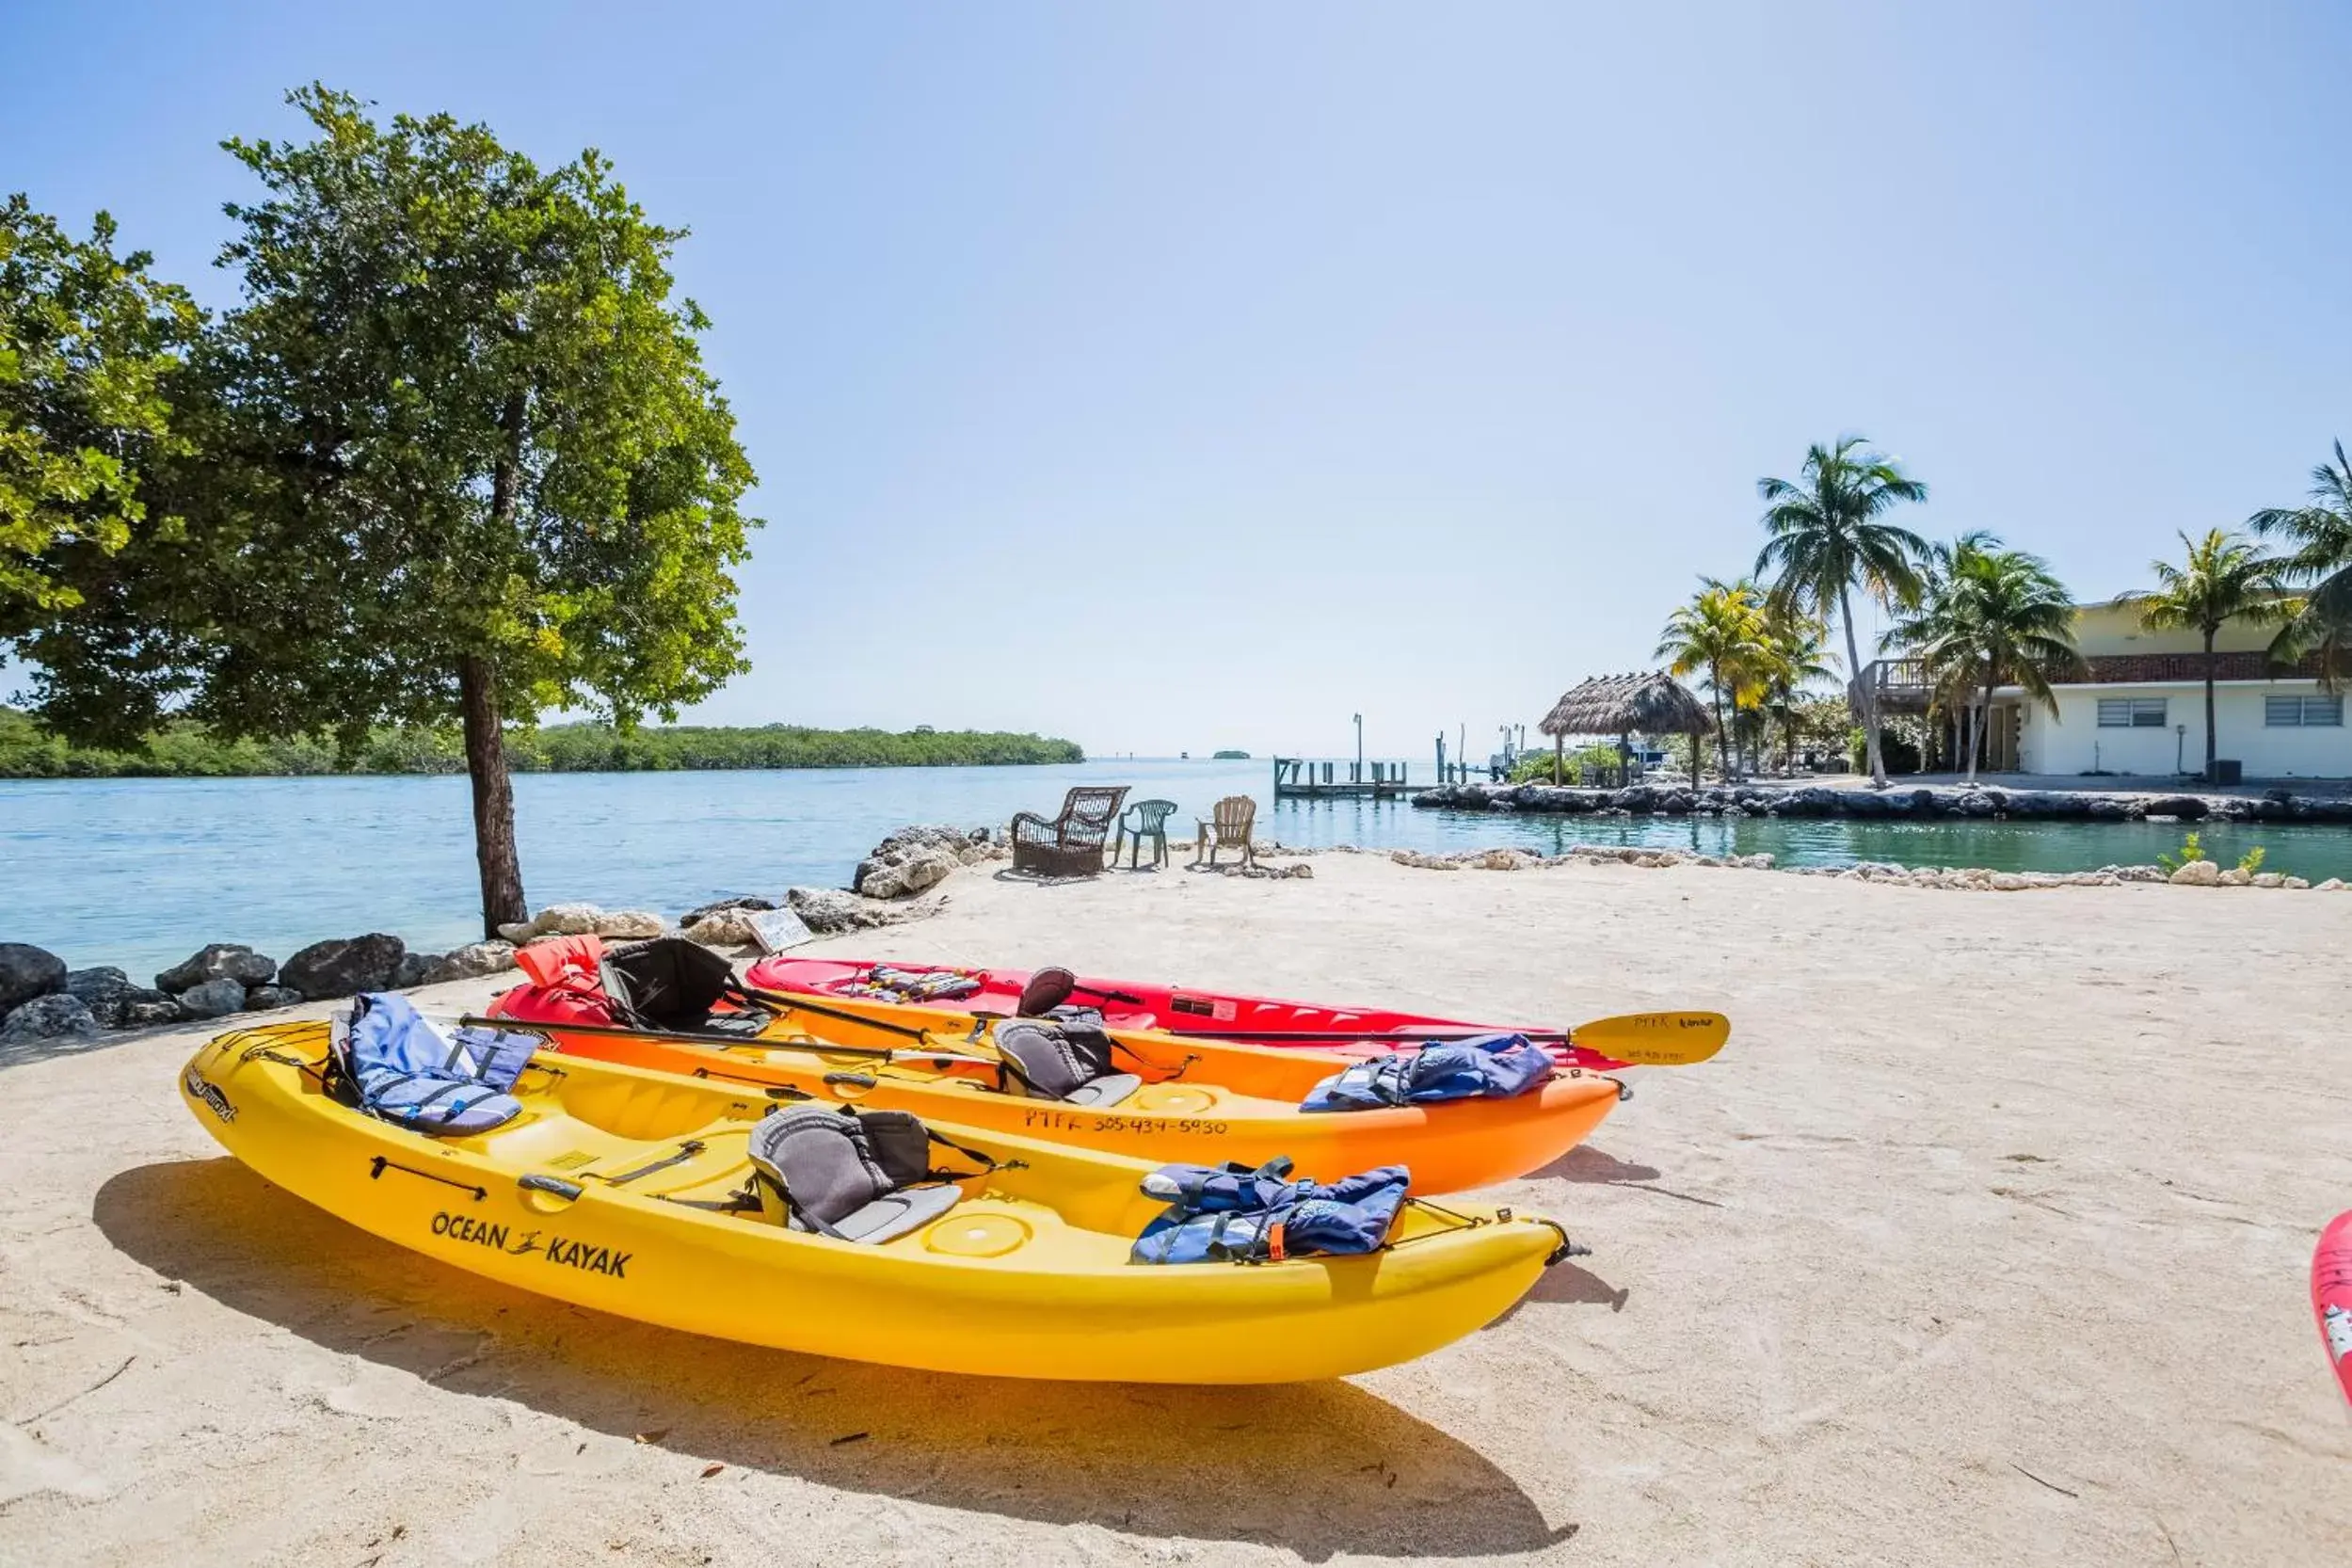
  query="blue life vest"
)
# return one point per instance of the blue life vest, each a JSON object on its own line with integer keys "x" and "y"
{"x": 404, "y": 1072}
{"x": 1493, "y": 1067}
{"x": 1235, "y": 1214}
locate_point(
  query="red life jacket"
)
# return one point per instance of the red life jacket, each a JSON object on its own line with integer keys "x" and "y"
{"x": 567, "y": 984}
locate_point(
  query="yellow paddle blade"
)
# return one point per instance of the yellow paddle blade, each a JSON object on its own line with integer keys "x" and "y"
{"x": 1656, "y": 1039}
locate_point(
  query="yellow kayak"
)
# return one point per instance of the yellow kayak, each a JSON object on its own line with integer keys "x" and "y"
{"x": 591, "y": 1195}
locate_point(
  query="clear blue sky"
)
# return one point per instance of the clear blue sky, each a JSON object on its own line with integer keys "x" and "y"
{"x": 1178, "y": 375}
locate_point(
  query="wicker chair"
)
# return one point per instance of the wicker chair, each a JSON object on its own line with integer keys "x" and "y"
{"x": 1071, "y": 844}
{"x": 1228, "y": 827}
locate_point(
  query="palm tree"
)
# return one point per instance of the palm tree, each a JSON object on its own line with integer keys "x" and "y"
{"x": 2225, "y": 577}
{"x": 1798, "y": 657}
{"x": 1990, "y": 616}
{"x": 1930, "y": 635}
{"x": 2322, "y": 532}
{"x": 1720, "y": 631}
{"x": 1826, "y": 535}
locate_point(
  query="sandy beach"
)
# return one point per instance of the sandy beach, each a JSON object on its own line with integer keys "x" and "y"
{"x": 1985, "y": 1241}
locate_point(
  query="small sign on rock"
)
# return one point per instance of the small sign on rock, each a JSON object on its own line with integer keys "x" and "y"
{"x": 778, "y": 929}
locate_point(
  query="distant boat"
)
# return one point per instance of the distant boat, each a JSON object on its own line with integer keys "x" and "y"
{"x": 1184, "y": 756}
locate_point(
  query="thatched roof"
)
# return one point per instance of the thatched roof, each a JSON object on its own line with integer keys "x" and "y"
{"x": 1653, "y": 704}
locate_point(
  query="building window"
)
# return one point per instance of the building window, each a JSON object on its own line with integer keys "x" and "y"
{"x": 2303, "y": 712}
{"x": 2131, "y": 713}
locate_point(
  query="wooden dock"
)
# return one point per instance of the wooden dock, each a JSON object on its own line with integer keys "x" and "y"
{"x": 1299, "y": 779}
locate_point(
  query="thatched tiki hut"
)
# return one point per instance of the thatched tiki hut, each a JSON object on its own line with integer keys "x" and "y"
{"x": 1626, "y": 706}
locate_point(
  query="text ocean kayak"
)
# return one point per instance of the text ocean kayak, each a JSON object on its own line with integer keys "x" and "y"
{"x": 1145, "y": 1004}
{"x": 588, "y": 1197}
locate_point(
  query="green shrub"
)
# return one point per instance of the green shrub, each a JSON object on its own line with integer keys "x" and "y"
{"x": 2192, "y": 848}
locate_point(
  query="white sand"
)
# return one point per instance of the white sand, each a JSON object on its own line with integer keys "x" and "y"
{"x": 1984, "y": 1242}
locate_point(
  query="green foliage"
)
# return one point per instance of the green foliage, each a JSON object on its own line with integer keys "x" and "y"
{"x": 186, "y": 750}
{"x": 2192, "y": 848}
{"x": 2321, "y": 532}
{"x": 89, "y": 345}
{"x": 1232, "y": 757}
{"x": 2252, "y": 861}
{"x": 1987, "y": 617}
{"x": 1723, "y": 631}
{"x": 1898, "y": 748}
{"x": 1826, "y": 534}
{"x": 1535, "y": 767}
{"x": 458, "y": 419}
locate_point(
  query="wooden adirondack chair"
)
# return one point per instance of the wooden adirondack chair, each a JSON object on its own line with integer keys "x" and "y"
{"x": 1227, "y": 826}
{"x": 1071, "y": 844}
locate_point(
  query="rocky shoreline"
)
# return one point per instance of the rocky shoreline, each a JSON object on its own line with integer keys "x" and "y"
{"x": 45, "y": 1006}
{"x": 2195, "y": 873}
{"x": 1984, "y": 801}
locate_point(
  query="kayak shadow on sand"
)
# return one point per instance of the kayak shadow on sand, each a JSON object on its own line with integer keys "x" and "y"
{"x": 1321, "y": 1469}
{"x": 1593, "y": 1167}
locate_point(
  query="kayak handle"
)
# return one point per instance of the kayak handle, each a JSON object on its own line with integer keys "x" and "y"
{"x": 1566, "y": 1249}
{"x": 555, "y": 1186}
{"x": 855, "y": 1081}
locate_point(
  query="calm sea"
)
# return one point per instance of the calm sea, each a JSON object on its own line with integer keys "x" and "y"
{"x": 140, "y": 873}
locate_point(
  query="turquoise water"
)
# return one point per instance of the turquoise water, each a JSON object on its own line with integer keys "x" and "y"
{"x": 141, "y": 872}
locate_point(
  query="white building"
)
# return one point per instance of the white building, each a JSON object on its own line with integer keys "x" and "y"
{"x": 2138, "y": 707}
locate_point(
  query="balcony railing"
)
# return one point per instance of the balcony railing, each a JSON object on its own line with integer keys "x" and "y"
{"x": 1909, "y": 677}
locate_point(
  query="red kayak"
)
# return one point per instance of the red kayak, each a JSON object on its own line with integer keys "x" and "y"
{"x": 2331, "y": 1297}
{"x": 1136, "y": 1004}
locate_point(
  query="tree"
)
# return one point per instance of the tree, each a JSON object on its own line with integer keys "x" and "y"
{"x": 1989, "y": 616}
{"x": 1826, "y": 535}
{"x": 1794, "y": 658}
{"x": 468, "y": 465}
{"x": 88, "y": 346}
{"x": 2322, "y": 532}
{"x": 2222, "y": 578}
{"x": 1723, "y": 631}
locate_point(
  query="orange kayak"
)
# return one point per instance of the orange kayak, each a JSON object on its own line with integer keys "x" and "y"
{"x": 1198, "y": 1101}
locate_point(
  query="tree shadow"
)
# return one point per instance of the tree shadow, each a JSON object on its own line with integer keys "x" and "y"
{"x": 1320, "y": 1468}
{"x": 1594, "y": 1167}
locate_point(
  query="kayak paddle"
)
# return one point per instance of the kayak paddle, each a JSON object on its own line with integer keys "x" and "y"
{"x": 1629, "y": 1039}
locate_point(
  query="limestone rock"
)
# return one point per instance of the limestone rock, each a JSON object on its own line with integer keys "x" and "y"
{"x": 147, "y": 1014}
{"x": 2294, "y": 884}
{"x": 516, "y": 932}
{"x": 827, "y": 911}
{"x": 693, "y": 915}
{"x": 1424, "y": 862}
{"x": 2270, "y": 879}
{"x": 2333, "y": 885}
{"x": 629, "y": 924}
{"x": 215, "y": 999}
{"x": 728, "y": 928}
{"x": 567, "y": 920}
{"x": 218, "y": 961}
{"x": 912, "y": 858}
{"x": 50, "y": 1017}
{"x": 415, "y": 969}
{"x": 109, "y": 995}
{"x": 472, "y": 961}
{"x": 27, "y": 971}
{"x": 1501, "y": 860}
{"x": 344, "y": 967}
{"x": 2197, "y": 874}
{"x": 2236, "y": 876}
{"x": 261, "y": 998}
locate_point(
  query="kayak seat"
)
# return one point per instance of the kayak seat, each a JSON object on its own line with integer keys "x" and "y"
{"x": 669, "y": 982}
{"x": 1062, "y": 1060}
{"x": 855, "y": 1178}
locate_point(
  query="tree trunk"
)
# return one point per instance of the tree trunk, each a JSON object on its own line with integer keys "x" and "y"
{"x": 2211, "y": 774}
{"x": 486, "y": 735}
{"x": 1861, "y": 695}
{"x": 1984, "y": 728}
{"x": 493, "y": 797}
{"x": 1560, "y": 764}
{"x": 1722, "y": 736}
